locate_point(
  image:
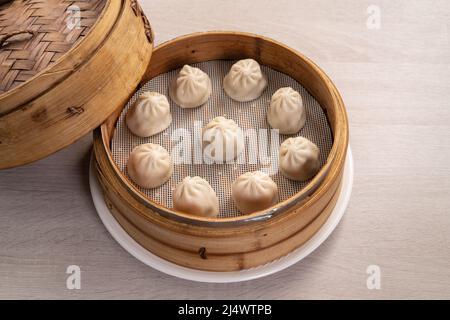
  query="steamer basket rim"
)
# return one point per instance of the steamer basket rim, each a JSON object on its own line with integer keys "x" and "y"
{"x": 337, "y": 152}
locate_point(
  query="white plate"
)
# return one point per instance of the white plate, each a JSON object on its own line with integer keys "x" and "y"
{"x": 172, "y": 269}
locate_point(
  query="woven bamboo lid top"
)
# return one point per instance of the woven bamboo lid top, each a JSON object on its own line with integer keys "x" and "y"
{"x": 35, "y": 33}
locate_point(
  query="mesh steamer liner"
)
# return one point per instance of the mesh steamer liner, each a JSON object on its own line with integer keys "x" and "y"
{"x": 248, "y": 115}
{"x": 318, "y": 127}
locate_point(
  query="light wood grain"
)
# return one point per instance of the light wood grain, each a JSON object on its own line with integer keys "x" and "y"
{"x": 396, "y": 85}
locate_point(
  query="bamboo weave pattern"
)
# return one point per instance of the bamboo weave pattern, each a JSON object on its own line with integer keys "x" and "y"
{"x": 57, "y": 25}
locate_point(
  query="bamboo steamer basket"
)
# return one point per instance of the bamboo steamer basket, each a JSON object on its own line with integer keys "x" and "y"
{"x": 235, "y": 243}
{"x": 61, "y": 77}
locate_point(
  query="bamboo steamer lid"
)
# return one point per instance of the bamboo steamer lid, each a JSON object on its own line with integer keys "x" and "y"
{"x": 65, "y": 66}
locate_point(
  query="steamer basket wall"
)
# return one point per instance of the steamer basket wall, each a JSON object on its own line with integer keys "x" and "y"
{"x": 235, "y": 243}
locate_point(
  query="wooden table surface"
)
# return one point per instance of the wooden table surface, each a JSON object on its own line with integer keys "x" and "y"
{"x": 395, "y": 81}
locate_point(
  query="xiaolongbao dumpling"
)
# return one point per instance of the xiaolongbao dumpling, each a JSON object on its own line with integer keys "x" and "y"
{"x": 223, "y": 140}
{"x": 195, "y": 196}
{"x": 149, "y": 115}
{"x": 190, "y": 88}
{"x": 299, "y": 159}
{"x": 254, "y": 191}
{"x": 245, "y": 81}
{"x": 286, "y": 112}
{"x": 149, "y": 165}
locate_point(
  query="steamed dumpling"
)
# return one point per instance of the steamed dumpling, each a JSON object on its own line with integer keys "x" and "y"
{"x": 149, "y": 165}
{"x": 190, "y": 88}
{"x": 299, "y": 159}
{"x": 286, "y": 112}
{"x": 149, "y": 115}
{"x": 222, "y": 140}
{"x": 245, "y": 81}
{"x": 195, "y": 196}
{"x": 254, "y": 191}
